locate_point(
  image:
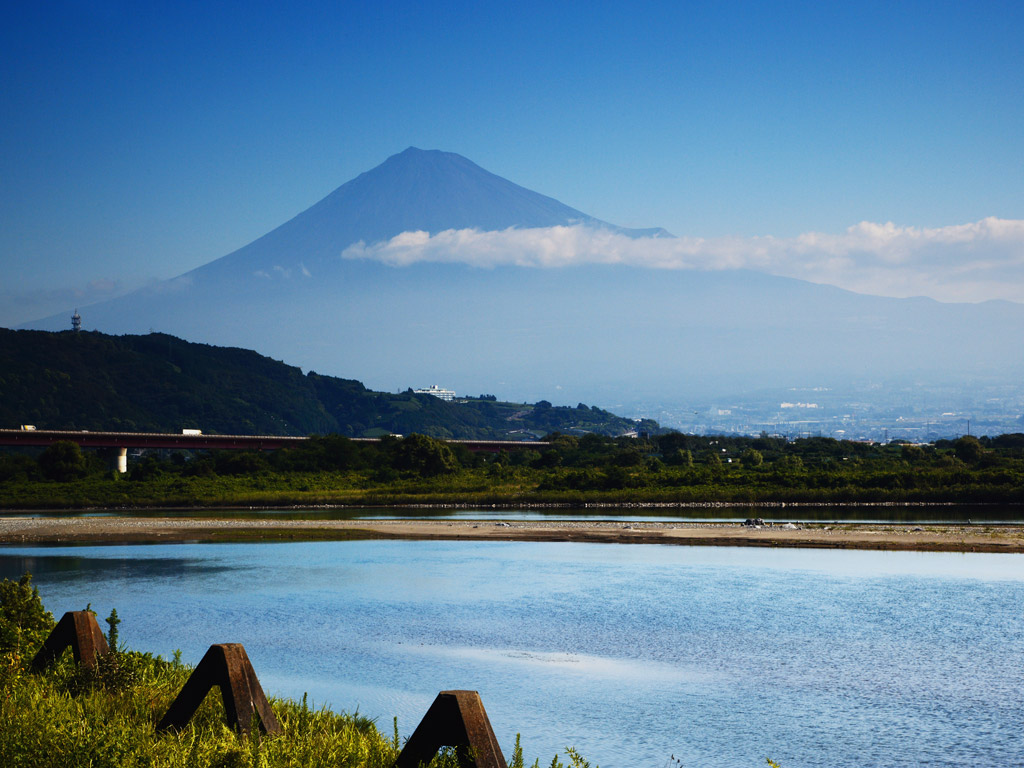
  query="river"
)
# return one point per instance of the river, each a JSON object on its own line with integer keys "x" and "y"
{"x": 634, "y": 654}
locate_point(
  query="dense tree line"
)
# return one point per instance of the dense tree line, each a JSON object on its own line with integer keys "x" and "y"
{"x": 665, "y": 467}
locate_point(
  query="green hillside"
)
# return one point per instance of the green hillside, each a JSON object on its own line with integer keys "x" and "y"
{"x": 158, "y": 382}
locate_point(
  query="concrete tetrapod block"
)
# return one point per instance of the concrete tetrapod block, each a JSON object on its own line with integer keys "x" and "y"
{"x": 79, "y": 630}
{"x": 455, "y": 719}
{"x": 226, "y": 665}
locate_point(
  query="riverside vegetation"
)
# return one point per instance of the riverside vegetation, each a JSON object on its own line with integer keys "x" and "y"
{"x": 668, "y": 468}
{"x": 105, "y": 717}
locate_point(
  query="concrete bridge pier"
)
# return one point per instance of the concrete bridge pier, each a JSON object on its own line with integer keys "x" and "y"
{"x": 122, "y": 460}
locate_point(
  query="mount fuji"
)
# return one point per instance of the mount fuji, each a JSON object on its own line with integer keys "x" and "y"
{"x": 599, "y": 333}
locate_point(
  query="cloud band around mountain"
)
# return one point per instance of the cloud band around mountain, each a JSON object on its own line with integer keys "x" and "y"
{"x": 967, "y": 262}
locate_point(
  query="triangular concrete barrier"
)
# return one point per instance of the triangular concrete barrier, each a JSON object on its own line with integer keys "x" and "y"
{"x": 455, "y": 719}
{"x": 226, "y": 665}
{"x": 79, "y": 630}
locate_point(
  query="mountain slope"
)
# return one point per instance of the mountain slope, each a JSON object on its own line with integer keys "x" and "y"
{"x": 163, "y": 384}
{"x": 415, "y": 190}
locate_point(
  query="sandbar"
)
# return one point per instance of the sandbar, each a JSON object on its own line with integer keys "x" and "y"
{"x": 898, "y": 537}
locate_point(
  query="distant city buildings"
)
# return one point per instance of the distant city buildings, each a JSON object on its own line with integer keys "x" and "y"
{"x": 917, "y": 413}
{"x": 436, "y": 391}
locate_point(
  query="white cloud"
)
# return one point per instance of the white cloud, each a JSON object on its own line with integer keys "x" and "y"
{"x": 284, "y": 273}
{"x": 966, "y": 262}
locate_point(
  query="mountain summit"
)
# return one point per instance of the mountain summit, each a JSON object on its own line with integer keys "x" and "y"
{"x": 415, "y": 190}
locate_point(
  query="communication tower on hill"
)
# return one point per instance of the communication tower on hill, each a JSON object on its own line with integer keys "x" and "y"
{"x": 76, "y": 321}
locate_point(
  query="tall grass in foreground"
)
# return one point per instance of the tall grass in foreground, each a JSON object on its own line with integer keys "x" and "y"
{"x": 65, "y": 717}
{"x": 68, "y": 717}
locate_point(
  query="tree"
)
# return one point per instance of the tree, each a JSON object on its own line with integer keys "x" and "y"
{"x": 240, "y": 462}
{"x": 788, "y": 464}
{"x": 912, "y": 453}
{"x": 146, "y": 469}
{"x": 548, "y": 460}
{"x": 24, "y": 623}
{"x": 671, "y": 442}
{"x": 18, "y": 466}
{"x": 112, "y": 622}
{"x": 425, "y": 456}
{"x": 523, "y": 458}
{"x": 62, "y": 461}
{"x": 339, "y": 453}
{"x": 628, "y": 456}
{"x": 752, "y": 458}
{"x": 617, "y": 478}
{"x": 967, "y": 448}
{"x": 681, "y": 457}
{"x": 563, "y": 442}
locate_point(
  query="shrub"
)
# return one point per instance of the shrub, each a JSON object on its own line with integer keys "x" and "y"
{"x": 24, "y": 622}
{"x": 967, "y": 448}
{"x": 62, "y": 461}
{"x": 425, "y": 456}
{"x": 752, "y": 458}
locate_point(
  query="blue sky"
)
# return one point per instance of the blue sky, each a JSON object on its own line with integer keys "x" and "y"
{"x": 139, "y": 142}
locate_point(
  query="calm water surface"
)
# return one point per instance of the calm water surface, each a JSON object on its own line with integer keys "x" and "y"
{"x": 632, "y": 653}
{"x": 862, "y": 513}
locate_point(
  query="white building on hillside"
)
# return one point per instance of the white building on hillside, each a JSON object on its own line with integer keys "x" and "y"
{"x": 436, "y": 391}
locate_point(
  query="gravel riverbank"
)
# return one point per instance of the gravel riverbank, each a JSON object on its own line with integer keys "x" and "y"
{"x": 925, "y": 537}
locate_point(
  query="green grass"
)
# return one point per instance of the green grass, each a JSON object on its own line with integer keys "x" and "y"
{"x": 65, "y": 717}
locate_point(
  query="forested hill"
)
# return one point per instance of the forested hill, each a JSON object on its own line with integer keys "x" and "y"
{"x": 161, "y": 383}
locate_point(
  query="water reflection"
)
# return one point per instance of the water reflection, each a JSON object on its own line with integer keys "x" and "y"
{"x": 51, "y": 569}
